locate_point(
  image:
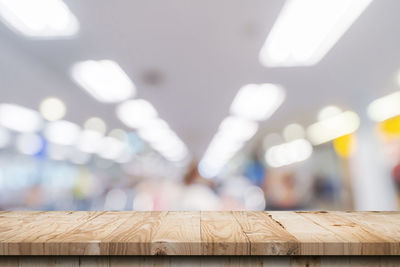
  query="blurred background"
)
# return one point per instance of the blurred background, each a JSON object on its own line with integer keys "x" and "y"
{"x": 199, "y": 105}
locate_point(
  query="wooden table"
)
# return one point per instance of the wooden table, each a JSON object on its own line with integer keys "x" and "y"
{"x": 253, "y": 238}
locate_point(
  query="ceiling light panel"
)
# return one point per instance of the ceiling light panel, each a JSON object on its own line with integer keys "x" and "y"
{"x": 104, "y": 80}
{"x": 257, "y": 101}
{"x": 306, "y": 30}
{"x": 329, "y": 129}
{"x": 46, "y": 19}
{"x": 136, "y": 113}
{"x": 19, "y": 118}
{"x": 385, "y": 107}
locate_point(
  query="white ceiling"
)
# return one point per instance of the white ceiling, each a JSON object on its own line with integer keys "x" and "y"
{"x": 204, "y": 51}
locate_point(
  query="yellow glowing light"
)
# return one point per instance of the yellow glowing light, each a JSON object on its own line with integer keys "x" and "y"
{"x": 345, "y": 145}
{"x": 390, "y": 128}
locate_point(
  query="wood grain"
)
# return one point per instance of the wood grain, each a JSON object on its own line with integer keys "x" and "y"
{"x": 199, "y": 233}
{"x": 266, "y": 235}
{"x": 360, "y": 239}
{"x": 221, "y": 234}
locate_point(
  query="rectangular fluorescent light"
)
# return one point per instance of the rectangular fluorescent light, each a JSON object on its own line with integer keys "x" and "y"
{"x": 385, "y": 107}
{"x": 104, "y": 80}
{"x": 257, "y": 101}
{"x": 333, "y": 127}
{"x": 136, "y": 113}
{"x": 288, "y": 153}
{"x": 39, "y": 18}
{"x": 306, "y": 30}
{"x": 230, "y": 138}
{"x": 162, "y": 139}
{"x": 237, "y": 129}
{"x": 19, "y": 118}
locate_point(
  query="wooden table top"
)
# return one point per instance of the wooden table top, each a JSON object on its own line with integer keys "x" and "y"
{"x": 199, "y": 233}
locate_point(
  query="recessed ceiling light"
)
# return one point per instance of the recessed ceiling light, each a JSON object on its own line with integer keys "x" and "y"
{"x": 19, "y": 118}
{"x": 104, "y": 80}
{"x": 385, "y": 107}
{"x": 327, "y": 130}
{"x": 257, "y": 101}
{"x": 306, "y": 30}
{"x": 237, "y": 129}
{"x": 288, "y": 153}
{"x": 39, "y": 18}
{"x": 136, "y": 113}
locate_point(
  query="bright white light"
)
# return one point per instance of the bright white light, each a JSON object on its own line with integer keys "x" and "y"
{"x": 5, "y": 137}
{"x": 111, "y": 148}
{"x": 233, "y": 132}
{"x": 293, "y": 131}
{"x": 333, "y": 127}
{"x": 95, "y": 124}
{"x": 62, "y": 132}
{"x": 385, "y": 107}
{"x": 155, "y": 131}
{"x": 29, "y": 143}
{"x": 257, "y": 101}
{"x": 221, "y": 147}
{"x": 218, "y": 153}
{"x": 19, "y": 118}
{"x": 178, "y": 154}
{"x": 52, "y": 109}
{"x": 104, "y": 80}
{"x": 40, "y": 18}
{"x": 288, "y": 153}
{"x": 208, "y": 169}
{"x": 168, "y": 144}
{"x": 306, "y": 30}
{"x": 89, "y": 141}
{"x": 237, "y": 129}
{"x": 136, "y": 113}
{"x": 327, "y": 112}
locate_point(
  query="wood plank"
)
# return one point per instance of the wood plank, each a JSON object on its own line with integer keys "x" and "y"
{"x": 178, "y": 234}
{"x": 266, "y": 235}
{"x": 386, "y": 226}
{"x": 200, "y": 233}
{"x": 221, "y": 234}
{"x": 361, "y": 241}
{"x": 11, "y": 222}
{"x": 135, "y": 236}
{"x": 87, "y": 239}
{"x": 34, "y": 234}
{"x": 313, "y": 238}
